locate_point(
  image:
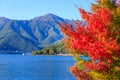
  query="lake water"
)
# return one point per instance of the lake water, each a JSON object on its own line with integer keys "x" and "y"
{"x": 18, "y": 67}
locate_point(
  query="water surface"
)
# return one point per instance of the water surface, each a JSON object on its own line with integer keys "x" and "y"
{"x": 18, "y": 67}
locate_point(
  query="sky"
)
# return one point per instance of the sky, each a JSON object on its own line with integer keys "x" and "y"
{"x": 28, "y": 9}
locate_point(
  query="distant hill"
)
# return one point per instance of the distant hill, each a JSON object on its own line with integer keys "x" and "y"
{"x": 29, "y": 35}
{"x": 55, "y": 49}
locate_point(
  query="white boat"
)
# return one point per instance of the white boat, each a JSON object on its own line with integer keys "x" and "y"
{"x": 23, "y": 54}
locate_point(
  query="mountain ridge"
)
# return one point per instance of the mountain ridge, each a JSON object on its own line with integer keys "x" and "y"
{"x": 29, "y": 35}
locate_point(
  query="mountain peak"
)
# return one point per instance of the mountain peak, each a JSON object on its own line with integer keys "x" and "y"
{"x": 49, "y": 17}
{"x": 50, "y": 14}
{"x": 3, "y": 20}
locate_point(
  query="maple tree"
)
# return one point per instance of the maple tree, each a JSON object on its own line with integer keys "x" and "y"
{"x": 99, "y": 39}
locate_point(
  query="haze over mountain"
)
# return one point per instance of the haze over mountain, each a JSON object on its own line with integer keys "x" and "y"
{"x": 29, "y": 35}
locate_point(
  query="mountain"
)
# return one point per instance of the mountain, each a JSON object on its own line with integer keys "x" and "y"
{"x": 29, "y": 35}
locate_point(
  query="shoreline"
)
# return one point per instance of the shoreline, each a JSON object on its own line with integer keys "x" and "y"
{"x": 64, "y": 54}
{"x": 55, "y": 55}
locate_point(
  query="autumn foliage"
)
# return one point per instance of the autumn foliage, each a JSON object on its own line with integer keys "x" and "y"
{"x": 98, "y": 39}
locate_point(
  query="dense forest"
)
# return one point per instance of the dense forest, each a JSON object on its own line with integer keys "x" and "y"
{"x": 54, "y": 49}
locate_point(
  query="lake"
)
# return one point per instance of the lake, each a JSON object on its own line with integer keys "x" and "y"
{"x": 18, "y": 67}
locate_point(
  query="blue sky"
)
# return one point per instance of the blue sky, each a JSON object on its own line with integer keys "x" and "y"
{"x": 28, "y": 9}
